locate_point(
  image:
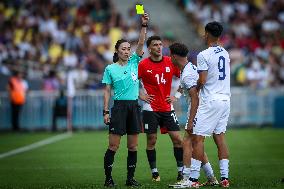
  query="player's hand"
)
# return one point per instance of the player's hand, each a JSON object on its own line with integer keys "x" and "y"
{"x": 147, "y": 98}
{"x": 145, "y": 18}
{"x": 171, "y": 99}
{"x": 107, "y": 119}
{"x": 189, "y": 127}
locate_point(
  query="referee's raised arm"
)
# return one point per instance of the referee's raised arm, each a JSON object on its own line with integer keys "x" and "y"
{"x": 142, "y": 36}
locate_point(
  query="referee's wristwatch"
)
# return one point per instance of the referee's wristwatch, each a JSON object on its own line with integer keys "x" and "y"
{"x": 105, "y": 112}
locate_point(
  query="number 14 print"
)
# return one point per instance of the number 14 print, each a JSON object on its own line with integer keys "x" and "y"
{"x": 160, "y": 79}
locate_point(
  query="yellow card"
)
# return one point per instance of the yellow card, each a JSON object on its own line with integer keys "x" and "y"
{"x": 139, "y": 9}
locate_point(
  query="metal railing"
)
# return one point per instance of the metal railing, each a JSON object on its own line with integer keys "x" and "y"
{"x": 248, "y": 107}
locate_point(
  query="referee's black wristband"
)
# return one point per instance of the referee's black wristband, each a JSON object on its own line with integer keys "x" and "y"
{"x": 105, "y": 112}
{"x": 144, "y": 25}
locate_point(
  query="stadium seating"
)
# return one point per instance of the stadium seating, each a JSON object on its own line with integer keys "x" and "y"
{"x": 253, "y": 36}
{"x": 40, "y": 37}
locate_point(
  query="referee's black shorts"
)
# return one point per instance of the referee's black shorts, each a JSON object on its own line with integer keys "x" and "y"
{"x": 125, "y": 117}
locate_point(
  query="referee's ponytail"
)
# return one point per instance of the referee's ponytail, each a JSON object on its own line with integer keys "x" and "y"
{"x": 115, "y": 55}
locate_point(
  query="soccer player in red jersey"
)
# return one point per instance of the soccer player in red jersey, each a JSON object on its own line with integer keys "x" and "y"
{"x": 156, "y": 73}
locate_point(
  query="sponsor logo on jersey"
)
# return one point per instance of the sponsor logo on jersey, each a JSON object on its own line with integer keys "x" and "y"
{"x": 149, "y": 71}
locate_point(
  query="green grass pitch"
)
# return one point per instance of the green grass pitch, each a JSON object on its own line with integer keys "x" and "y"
{"x": 256, "y": 160}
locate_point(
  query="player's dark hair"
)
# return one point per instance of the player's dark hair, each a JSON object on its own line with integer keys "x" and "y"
{"x": 179, "y": 49}
{"x": 152, "y": 38}
{"x": 115, "y": 55}
{"x": 214, "y": 28}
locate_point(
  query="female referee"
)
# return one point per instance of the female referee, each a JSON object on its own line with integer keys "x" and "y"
{"x": 122, "y": 77}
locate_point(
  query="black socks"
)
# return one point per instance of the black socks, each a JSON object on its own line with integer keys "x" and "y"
{"x": 131, "y": 164}
{"x": 178, "y": 152}
{"x": 108, "y": 163}
{"x": 151, "y": 155}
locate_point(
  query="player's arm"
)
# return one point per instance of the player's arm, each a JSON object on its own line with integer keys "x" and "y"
{"x": 171, "y": 99}
{"x": 202, "y": 69}
{"x": 107, "y": 92}
{"x": 142, "y": 94}
{"x": 193, "y": 108}
{"x": 202, "y": 79}
{"x": 145, "y": 97}
{"x": 142, "y": 36}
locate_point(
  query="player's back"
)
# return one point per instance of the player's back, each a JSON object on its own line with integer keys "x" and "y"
{"x": 217, "y": 62}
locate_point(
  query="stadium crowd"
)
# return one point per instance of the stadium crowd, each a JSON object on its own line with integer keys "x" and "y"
{"x": 254, "y": 36}
{"x": 47, "y": 39}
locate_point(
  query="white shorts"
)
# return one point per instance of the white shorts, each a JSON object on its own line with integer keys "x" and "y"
{"x": 212, "y": 117}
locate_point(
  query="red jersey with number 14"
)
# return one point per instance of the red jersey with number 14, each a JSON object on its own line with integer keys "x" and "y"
{"x": 157, "y": 80}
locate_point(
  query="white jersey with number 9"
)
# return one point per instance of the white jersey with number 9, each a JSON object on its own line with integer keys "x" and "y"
{"x": 215, "y": 60}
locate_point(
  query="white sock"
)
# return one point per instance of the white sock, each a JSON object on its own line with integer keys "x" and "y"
{"x": 208, "y": 170}
{"x": 155, "y": 170}
{"x": 195, "y": 168}
{"x": 180, "y": 169}
{"x": 186, "y": 172}
{"x": 224, "y": 168}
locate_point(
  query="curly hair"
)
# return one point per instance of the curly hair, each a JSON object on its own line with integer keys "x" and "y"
{"x": 179, "y": 49}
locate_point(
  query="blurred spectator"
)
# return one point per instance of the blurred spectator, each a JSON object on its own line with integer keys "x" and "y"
{"x": 39, "y": 36}
{"x": 17, "y": 88}
{"x": 51, "y": 83}
{"x": 59, "y": 109}
{"x": 79, "y": 76}
{"x": 254, "y": 35}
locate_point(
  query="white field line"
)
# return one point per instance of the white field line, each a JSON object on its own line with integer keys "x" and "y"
{"x": 36, "y": 145}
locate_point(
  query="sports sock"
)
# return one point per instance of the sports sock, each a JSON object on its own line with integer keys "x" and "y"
{"x": 155, "y": 170}
{"x": 207, "y": 168}
{"x": 194, "y": 169}
{"x": 224, "y": 168}
{"x": 178, "y": 153}
{"x": 108, "y": 163}
{"x": 151, "y": 155}
{"x": 131, "y": 163}
{"x": 186, "y": 172}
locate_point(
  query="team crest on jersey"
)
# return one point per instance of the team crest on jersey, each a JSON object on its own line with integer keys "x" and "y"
{"x": 168, "y": 69}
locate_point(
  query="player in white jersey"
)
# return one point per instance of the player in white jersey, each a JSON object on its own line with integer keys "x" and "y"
{"x": 213, "y": 65}
{"x": 188, "y": 83}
